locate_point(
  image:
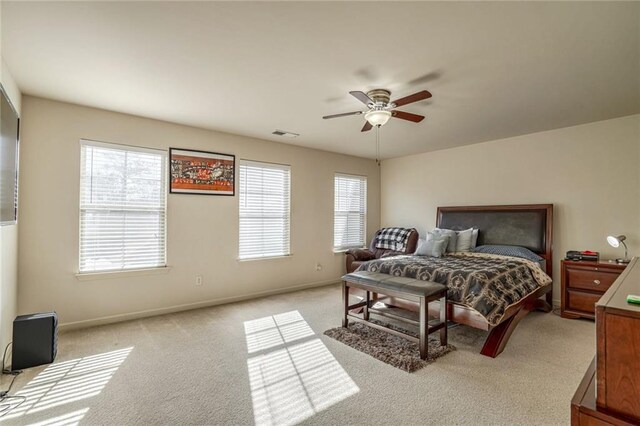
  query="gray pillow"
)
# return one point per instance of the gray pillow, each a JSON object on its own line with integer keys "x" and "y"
{"x": 458, "y": 240}
{"x": 464, "y": 240}
{"x": 474, "y": 238}
{"x": 453, "y": 238}
{"x": 438, "y": 236}
{"x": 433, "y": 247}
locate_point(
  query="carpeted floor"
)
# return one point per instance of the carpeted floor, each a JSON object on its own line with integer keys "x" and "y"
{"x": 267, "y": 361}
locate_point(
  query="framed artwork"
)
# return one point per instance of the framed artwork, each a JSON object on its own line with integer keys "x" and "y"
{"x": 201, "y": 172}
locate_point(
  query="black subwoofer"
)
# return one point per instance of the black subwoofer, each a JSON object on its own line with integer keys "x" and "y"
{"x": 35, "y": 340}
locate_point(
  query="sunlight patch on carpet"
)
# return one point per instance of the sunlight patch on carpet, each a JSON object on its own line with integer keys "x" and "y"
{"x": 293, "y": 381}
{"x": 275, "y": 330}
{"x": 68, "y": 381}
{"x": 69, "y": 419}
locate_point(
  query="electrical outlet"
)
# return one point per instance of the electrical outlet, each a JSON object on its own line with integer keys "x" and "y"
{"x": 198, "y": 279}
{"x": 318, "y": 267}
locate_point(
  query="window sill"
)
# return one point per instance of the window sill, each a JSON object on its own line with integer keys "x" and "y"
{"x": 253, "y": 259}
{"x": 92, "y": 276}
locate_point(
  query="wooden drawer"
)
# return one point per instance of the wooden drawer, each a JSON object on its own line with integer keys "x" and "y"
{"x": 591, "y": 279}
{"x": 583, "y": 283}
{"x": 582, "y": 301}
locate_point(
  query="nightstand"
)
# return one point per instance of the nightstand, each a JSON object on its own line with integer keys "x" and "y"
{"x": 584, "y": 283}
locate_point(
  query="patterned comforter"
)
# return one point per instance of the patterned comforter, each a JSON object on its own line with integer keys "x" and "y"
{"x": 484, "y": 282}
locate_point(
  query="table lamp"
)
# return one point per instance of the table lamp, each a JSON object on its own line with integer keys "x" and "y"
{"x": 615, "y": 242}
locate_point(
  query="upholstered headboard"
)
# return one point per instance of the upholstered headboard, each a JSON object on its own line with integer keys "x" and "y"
{"x": 529, "y": 226}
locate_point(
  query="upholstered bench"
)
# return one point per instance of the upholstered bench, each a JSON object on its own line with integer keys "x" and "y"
{"x": 405, "y": 288}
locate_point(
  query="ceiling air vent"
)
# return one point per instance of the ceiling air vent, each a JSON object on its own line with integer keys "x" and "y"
{"x": 285, "y": 134}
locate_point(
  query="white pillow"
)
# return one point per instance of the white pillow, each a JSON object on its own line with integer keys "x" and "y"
{"x": 464, "y": 240}
{"x": 474, "y": 238}
{"x": 433, "y": 247}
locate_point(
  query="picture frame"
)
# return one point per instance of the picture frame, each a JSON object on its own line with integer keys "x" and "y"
{"x": 201, "y": 172}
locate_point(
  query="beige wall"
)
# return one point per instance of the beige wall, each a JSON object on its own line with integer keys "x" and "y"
{"x": 202, "y": 230}
{"x": 589, "y": 172}
{"x": 8, "y": 239}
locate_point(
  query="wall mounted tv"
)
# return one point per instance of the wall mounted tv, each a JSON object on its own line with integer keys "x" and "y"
{"x": 9, "y": 136}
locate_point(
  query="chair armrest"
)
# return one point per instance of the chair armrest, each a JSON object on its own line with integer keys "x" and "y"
{"x": 361, "y": 255}
{"x": 393, "y": 253}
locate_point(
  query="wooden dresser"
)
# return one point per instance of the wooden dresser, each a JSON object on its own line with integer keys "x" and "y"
{"x": 610, "y": 390}
{"x": 583, "y": 284}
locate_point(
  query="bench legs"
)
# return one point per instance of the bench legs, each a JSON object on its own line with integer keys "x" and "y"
{"x": 365, "y": 314}
{"x": 423, "y": 320}
{"x": 424, "y": 325}
{"x": 345, "y": 301}
{"x": 443, "y": 319}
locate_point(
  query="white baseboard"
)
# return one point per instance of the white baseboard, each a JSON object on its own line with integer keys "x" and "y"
{"x": 189, "y": 306}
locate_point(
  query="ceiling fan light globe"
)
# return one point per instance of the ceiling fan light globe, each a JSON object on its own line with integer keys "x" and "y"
{"x": 378, "y": 118}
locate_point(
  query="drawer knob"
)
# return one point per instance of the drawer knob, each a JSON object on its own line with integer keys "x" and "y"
{"x": 596, "y": 282}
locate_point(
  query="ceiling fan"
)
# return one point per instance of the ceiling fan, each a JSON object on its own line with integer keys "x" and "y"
{"x": 381, "y": 109}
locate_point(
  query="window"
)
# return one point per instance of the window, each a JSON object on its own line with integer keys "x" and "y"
{"x": 122, "y": 207}
{"x": 350, "y": 211}
{"x": 264, "y": 209}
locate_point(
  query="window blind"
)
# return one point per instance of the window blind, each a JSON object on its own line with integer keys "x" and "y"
{"x": 350, "y": 211}
{"x": 264, "y": 209}
{"x": 122, "y": 207}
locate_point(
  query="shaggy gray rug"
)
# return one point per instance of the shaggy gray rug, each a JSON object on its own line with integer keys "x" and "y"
{"x": 388, "y": 348}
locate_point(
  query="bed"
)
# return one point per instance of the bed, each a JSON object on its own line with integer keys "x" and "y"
{"x": 481, "y": 296}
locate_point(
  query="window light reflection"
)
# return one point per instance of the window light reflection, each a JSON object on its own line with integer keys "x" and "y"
{"x": 66, "y": 382}
{"x": 291, "y": 382}
{"x": 68, "y": 419}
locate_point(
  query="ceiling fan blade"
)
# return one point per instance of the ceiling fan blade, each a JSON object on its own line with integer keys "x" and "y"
{"x": 367, "y": 127}
{"x": 407, "y": 116}
{"x": 420, "y": 96}
{"x": 344, "y": 114}
{"x": 362, "y": 97}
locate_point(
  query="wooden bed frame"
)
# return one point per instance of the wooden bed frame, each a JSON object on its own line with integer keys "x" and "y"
{"x": 530, "y": 226}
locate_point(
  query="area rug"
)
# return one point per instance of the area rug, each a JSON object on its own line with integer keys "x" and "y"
{"x": 393, "y": 350}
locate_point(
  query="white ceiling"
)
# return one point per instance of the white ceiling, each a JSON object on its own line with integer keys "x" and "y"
{"x": 495, "y": 69}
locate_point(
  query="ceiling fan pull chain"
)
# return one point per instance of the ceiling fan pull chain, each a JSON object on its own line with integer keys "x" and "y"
{"x": 378, "y": 145}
